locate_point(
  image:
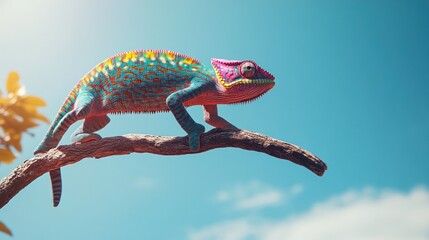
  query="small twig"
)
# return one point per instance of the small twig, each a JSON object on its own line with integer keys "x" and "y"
{"x": 61, "y": 156}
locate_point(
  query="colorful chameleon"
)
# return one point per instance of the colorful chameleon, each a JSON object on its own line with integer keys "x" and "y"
{"x": 152, "y": 81}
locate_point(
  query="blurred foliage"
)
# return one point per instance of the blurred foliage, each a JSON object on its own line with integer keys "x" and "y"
{"x": 18, "y": 113}
{"x": 4, "y": 229}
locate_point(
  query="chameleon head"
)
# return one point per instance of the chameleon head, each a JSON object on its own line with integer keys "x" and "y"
{"x": 242, "y": 80}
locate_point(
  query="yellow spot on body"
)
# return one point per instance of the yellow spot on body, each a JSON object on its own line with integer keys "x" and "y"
{"x": 142, "y": 59}
{"x": 96, "y": 74}
{"x": 129, "y": 56}
{"x": 151, "y": 64}
{"x": 126, "y": 67}
{"x": 188, "y": 60}
{"x": 133, "y": 59}
{"x": 173, "y": 63}
{"x": 99, "y": 68}
{"x": 118, "y": 64}
{"x": 170, "y": 55}
{"x": 85, "y": 80}
{"x": 180, "y": 63}
{"x": 109, "y": 64}
{"x": 162, "y": 59}
{"x": 150, "y": 55}
{"x": 194, "y": 69}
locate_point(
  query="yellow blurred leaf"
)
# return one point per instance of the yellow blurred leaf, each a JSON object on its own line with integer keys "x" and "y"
{"x": 16, "y": 145}
{"x": 29, "y": 124}
{"x": 30, "y": 109}
{"x": 27, "y": 111}
{"x": 16, "y": 109}
{"x": 11, "y": 127}
{"x": 4, "y": 101}
{"x": 4, "y": 229}
{"x": 6, "y": 155}
{"x": 15, "y": 141}
{"x": 33, "y": 100}
{"x": 18, "y": 113}
{"x": 11, "y": 123}
{"x": 12, "y": 83}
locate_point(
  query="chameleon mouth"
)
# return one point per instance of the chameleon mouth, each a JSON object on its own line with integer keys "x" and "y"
{"x": 243, "y": 81}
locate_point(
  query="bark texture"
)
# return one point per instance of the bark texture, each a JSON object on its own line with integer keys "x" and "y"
{"x": 61, "y": 156}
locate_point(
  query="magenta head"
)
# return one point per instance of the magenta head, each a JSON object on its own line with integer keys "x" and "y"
{"x": 231, "y": 73}
{"x": 243, "y": 76}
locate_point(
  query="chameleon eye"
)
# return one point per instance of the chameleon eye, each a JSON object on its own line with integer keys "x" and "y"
{"x": 247, "y": 69}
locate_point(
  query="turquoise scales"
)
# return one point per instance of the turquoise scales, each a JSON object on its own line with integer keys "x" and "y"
{"x": 153, "y": 81}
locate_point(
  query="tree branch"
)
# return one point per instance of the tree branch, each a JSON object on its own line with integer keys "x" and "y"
{"x": 61, "y": 156}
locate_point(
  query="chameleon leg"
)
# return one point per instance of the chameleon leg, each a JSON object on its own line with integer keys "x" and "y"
{"x": 85, "y": 132}
{"x": 211, "y": 117}
{"x": 82, "y": 109}
{"x": 175, "y": 103}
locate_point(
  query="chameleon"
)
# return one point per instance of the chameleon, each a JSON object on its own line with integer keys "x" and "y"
{"x": 151, "y": 81}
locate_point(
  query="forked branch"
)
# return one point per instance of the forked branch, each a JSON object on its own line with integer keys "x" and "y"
{"x": 61, "y": 156}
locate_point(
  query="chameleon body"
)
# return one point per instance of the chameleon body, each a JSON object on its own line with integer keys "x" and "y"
{"x": 148, "y": 81}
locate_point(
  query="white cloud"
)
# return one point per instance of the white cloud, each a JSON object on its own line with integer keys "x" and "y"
{"x": 255, "y": 195}
{"x": 366, "y": 214}
{"x": 263, "y": 199}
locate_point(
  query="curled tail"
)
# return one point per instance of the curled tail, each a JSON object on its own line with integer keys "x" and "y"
{"x": 59, "y": 126}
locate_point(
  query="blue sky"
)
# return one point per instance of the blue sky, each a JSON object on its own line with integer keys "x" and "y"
{"x": 352, "y": 87}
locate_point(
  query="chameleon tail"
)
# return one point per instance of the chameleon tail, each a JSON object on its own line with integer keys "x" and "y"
{"x": 57, "y": 186}
{"x": 51, "y": 140}
{"x": 58, "y": 132}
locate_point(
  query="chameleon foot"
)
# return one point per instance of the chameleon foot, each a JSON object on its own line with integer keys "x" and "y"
{"x": 43, "y": 147}
{"x": 194, "y": 137}
{"x": 85, "y": 137}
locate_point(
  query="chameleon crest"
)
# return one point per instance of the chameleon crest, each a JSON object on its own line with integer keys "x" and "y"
{"x": 147, "y": 81}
